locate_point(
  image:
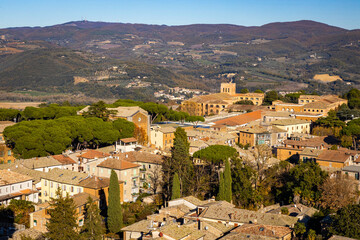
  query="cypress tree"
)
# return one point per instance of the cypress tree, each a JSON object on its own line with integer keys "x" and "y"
{"x": 115, "y": 218}
{"x": 93, "y": 228}
{"x": 176, "y": 187}
{"x": 221, "y": 194}
{"x": 63, "y": 218}
{"x": 228, "y": 182}
{"x": 182, "y": 162}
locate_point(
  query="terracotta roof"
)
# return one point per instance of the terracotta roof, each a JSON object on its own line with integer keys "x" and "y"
{"x": 64, "y": 159}
{"x": 167, "y": 129}
{"x": 118, "y": 164}
{"x": 246, "y": 216}
{"x": 334, "y": 156}
{"x": 34, "y": 174}
{"x": 127, "y": 111}
{"x": 311, "y": 152}
{"x": 289, "y": 121}
{"x": 141, "y": 226}
{"x": 128, "y": 140}
{"x": 65, "y": 176}
{"x": 91, "y": 154}
{"x": 9, "y": 177}
{"x": 143, "y": 157}
{"x": 212, "y": 98}
{"x": 319, "y": 104}
{"x": 263, "y": 230}
{"x": 80, "y": 199}
{"x": 312, "y": 142}
{"x": 95, "y": 182}
{"x": 39, "y": 162}
{"x": 240, "y": 119}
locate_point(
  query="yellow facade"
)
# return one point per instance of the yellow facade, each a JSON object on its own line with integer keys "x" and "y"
{"x": 247, "y": 138}
{"x": 286, "y": 153}
{"x": 256, "y": 98}
{"x": 229, "y": 88}
{"x": 6, "y": 155}
{"x": 48, "y": 189}
{"x": 338, "y": 165}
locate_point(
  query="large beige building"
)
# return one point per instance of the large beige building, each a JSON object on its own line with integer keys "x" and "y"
{"x": 213, "y": 104}
{"x": 127, "y": 172}
{"x": 162, "y": 137}
{"x": 311, "y": 107}
{"x": 292, "y": 125}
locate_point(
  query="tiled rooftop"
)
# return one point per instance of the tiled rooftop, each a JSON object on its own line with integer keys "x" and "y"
{"x": 9, "y": 177}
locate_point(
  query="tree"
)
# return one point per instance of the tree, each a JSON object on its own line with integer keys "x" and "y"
{"x": 155, "y": 178}
{"x": 62, "y": 224}
{"x": 175, "y": 187}
{"x": 244, "y": 90}
{"x": 216, "y": 154}
{"x": 221, "y": 193}
{"x": 181, "y": 159}
{"x": 242, "y": 188}
{"x": 228, "y": 182}
{"x": 21, "y": 210}
{"x": 299, "y": 229}
{"x": 140, "y": 135}
{"x": 338, "y": 192}
{"x": 259, "y": 159}
{"x": 303, "y": 180}
{"x": 98, "y": 110}
{"x": 258, "y": 91}
{"x": 93, "y": 226}
{"x": 115, "y": 218}
{"x": 346, "y": 222}
{"x": 270, "y": 97}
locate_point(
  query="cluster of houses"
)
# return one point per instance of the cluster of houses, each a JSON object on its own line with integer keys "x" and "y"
{"x": 78, "y": 174}
{"x": 284, "y": 127}
{"x": 191, "y": 218}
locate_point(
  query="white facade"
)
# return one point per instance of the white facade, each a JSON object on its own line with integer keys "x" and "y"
{"x": 16, "y": 191}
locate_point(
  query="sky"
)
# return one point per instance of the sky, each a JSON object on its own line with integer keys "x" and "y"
{"x": 20, "y": 13}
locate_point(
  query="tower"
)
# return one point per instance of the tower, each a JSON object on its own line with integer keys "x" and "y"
{"x": 229, "y": 88}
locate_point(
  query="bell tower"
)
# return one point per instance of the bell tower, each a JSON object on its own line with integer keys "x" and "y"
{"x": 229, "y": 88}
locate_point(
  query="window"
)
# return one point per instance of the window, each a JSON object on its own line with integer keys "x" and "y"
{"x": 35, "y": 223}
{"x": 51, "y": 185}
{"x": 81, "y": 222}
{"x": 72, "y": 189}
{"x": 79, "y": 190}
{"x": 149, "y": 166}
{"x": 20, "y": 186}
{"x": 12, "y": 188}
{"x": 9, "y": 152}
{"x": 45, "y": 183}
{"x": 109, "y": 171}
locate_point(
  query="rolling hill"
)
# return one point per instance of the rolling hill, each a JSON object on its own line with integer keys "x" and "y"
{"x": 194, "y": 56}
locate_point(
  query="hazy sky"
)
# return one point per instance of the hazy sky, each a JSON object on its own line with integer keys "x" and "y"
{"x": 342, "y": 13}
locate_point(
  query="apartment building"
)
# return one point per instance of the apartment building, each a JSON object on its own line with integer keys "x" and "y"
{"x": 126, "y": 171}
{"x": 14, "y": 185}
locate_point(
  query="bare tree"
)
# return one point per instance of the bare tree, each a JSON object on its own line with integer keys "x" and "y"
{"x": 155, "y": 178}
{"x": 338, "y": 191}
{"x": 259, "y": 159}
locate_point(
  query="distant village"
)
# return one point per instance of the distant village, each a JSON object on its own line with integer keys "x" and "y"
{"x": 283, "y": 127}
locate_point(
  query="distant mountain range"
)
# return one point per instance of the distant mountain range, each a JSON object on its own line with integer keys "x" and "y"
{"x": 193, "y": 54}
